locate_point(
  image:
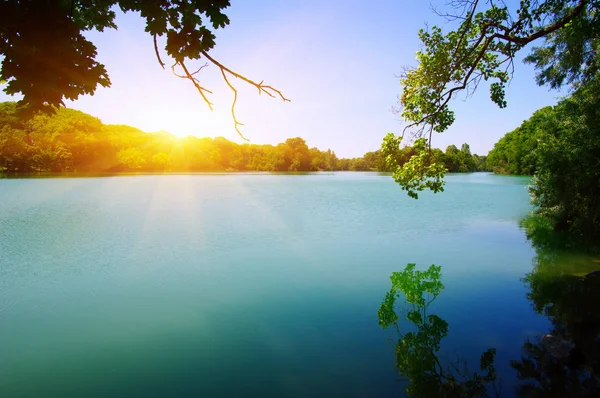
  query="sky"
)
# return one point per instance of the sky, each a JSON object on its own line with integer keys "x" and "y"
{"x": 336, "y": 60}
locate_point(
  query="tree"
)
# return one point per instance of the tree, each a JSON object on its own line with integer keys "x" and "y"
{"x": 566, "y": 189}
{"x": 47, "y": 58}
{"x": 466, "y": 159}
{"x": 515, "y": 153}
{"x": 560, "y": 146}
{"x": 323, "y": 160}
{"x": 483, "y": 48}
{"x": 13, "y": 151}
{"x": 430, "y": 172}
{"x": 480, "y": 163}
{"x": 297, "y": 154}
{"x": 72, "y": 141}
{"x": 132, "y": 158}
{"x": 452, "y": 159}
{"x": 160, "y": 161}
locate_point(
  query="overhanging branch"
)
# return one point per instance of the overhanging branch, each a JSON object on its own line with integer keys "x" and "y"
{"x": 225, "y": 71}
{"x": 261, "y": 88}
{"x": 489, "y": 34}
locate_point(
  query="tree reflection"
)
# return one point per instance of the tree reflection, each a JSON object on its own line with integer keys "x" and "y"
{"x": 565, "y": 362}
{"x": 416, "y": 351}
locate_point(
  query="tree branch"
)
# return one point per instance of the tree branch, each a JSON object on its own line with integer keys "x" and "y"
{"x": 546, "y": 30}
{"x": 269, "y": 90}
{"x": 467, "y": 23}
{"x": 162, "y": 64}
{"x": 451, "y": 91}
{"x": 261, "y": 88}
{"x": 484, "y": 42}
{"x": 195, "y": 81}
{"x": 236, "y": 123}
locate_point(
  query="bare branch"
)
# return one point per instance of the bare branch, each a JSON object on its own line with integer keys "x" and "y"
{"x": 195, "y": 81}
{"x": 162, "y": 64}
{"x": 269, "y": 90}
{"x": 199, "y": 69}
{"x": 261, "y": 88}
{"x": 236, "y": 123}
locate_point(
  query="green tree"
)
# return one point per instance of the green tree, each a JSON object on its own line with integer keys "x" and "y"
{"x": 483, "y": 47}
{"x": 318, "y": 160}
{"x": 466, "y": 159}
{"x": 480, "y": 163}
{"x": 47, "y": 58}
{"x": 419, "y": 172}
{"x": 132, "y": 158}
{"x": 452, "y": 159}
{"x": 515, "y": 153}
{"x": 13, "y": 151}
{"x": 296, "y": 154}
{"x": 358, "y": 164}
{"x": 72, "y": 141}
{"x": 374, "y": 160}
{"x": 566, "y": 189}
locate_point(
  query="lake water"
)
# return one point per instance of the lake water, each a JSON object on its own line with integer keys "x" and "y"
{"x": 248, "y": 284}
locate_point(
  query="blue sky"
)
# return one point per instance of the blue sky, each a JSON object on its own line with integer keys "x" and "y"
{"x": 337, "y": 60}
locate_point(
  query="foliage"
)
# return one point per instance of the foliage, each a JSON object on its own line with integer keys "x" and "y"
{"x": 560, "y": 145}
{"x": 418, "y": 167}
{"x": 570, "y": 54}
{"x": 482, "y": 48}
{"x": 418, "y": 173}
{"x": 416, "y": 351}
{"x": 70, "y": 140}
{"x": 566, "y": 188}
{"x": 47, "y": 58}
{"x": 515, "y": 153}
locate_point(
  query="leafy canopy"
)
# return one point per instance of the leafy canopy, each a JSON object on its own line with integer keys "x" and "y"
{"x": 566, "y": 189}
{"x": 482, "y": 48}
{"x": 560, "y": 146}
{"x": 419, "y": 172}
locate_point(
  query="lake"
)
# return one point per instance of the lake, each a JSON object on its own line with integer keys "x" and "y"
{"x": 232, "y": 285}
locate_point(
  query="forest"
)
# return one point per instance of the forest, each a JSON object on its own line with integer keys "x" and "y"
{"x": 560, "y": 147}
{"x": 72, "y": 141}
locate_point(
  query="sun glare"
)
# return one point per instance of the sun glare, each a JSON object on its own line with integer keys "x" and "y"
{"x": 202, "y": 123}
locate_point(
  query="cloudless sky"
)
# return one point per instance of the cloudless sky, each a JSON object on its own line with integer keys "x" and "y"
{"x": 337, "y": 60}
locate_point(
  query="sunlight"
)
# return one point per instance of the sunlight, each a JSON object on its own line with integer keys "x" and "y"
{"x": 199, "y": 122}
{"x": 182, "y": 208}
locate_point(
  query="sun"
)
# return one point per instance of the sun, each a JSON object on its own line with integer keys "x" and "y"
{"x": 200, "y": 123}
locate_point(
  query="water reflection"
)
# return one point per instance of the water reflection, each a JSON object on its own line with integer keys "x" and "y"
{"x": 416, "y": 350}
{"x": 564, "y": 362}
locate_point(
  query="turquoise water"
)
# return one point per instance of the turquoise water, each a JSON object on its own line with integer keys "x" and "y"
{"x": 248, "y": 284}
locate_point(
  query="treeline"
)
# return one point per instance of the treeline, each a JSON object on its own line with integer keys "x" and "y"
{"x": 560, "y": 146}
{"x": 516, "y": 152}
{"x": 455, "y": 160}
{"x": 71, "y": 140}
